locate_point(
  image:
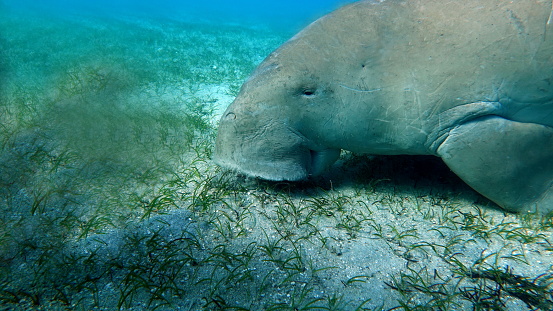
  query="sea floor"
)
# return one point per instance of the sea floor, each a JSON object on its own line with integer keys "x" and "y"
{"x": 109, "y": 199}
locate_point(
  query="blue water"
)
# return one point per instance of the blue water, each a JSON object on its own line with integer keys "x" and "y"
{"x": 284, "y": 13}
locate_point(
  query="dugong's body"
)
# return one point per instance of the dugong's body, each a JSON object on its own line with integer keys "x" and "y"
{"x": 470, "y": 81}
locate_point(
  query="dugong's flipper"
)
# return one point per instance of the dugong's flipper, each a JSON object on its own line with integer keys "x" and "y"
{"x": 509, "y": 162}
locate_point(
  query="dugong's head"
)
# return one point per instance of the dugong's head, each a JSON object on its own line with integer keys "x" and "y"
{"x": 270, "y": 130}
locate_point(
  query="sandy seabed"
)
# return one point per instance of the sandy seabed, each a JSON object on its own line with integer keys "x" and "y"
{"x": 109, "y": 199}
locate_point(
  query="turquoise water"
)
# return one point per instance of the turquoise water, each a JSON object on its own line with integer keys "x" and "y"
{"x": 285, "y": 13}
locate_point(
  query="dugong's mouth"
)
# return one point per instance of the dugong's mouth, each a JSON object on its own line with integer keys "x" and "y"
{"x": 269, "y": 149}
{"x": 295, "y": 168}
{"x": 321, "y": 160}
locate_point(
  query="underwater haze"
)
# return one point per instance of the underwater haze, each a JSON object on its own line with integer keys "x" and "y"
{"x": 109, "y": 199}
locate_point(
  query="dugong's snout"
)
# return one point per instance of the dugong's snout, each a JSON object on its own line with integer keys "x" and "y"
{"x": 271, "y": 150}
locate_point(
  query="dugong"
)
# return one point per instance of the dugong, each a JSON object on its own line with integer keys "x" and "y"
{"x": 469, "y": 81}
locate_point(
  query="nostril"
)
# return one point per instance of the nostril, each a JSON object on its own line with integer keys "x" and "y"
{"x": 230, "y": 116}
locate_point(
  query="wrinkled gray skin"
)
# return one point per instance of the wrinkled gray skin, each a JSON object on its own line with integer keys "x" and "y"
{"x": 469, "y": 81}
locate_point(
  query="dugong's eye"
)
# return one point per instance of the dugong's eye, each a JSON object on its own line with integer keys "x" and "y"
{"x": 308, "y": 92}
